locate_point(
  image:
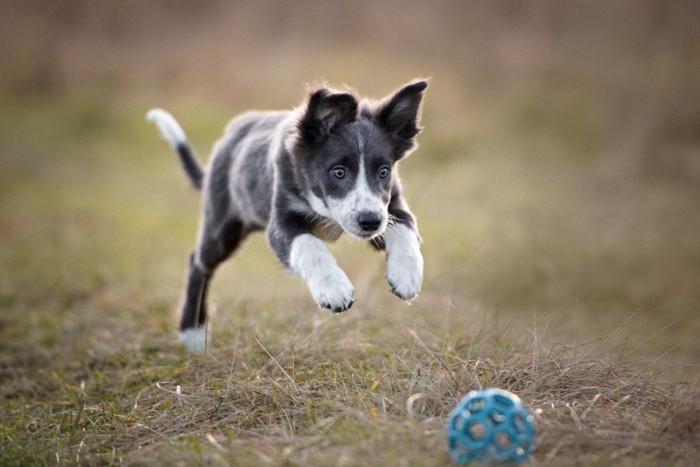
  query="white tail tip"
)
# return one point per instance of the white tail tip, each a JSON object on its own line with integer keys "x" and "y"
{"x": 168, "y": 126}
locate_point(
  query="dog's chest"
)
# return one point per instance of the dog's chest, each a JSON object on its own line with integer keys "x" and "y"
{"x": 327, "y": 230}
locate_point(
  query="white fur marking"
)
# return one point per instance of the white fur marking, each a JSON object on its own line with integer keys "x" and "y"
{"x": 330, "y": 287}
{"x": 404, "y": 261}
{"x": 194, "y": 340}
{"x": 168, "y": 126}
{"x": 318, "y": 206}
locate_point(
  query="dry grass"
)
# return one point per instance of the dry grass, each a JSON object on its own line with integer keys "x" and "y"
{"x": 358, "y": 390}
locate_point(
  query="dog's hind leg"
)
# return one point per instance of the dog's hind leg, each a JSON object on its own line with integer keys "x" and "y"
{"x": 221, "y": 231}
{"x": 215, "y": 245}
{"x": 194, "y": 313}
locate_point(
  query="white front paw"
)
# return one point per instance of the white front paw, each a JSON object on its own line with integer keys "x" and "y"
{"x": 328, "y": 284}
{"x": 405, "y": 274}
{"x": 332, "y": 290}
{"x": 404, "y": 262}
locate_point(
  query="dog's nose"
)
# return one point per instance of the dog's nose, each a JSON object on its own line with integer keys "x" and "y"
{"x": 369, "y": 221}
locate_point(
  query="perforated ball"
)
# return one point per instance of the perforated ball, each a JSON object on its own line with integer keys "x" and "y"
{"x": 490, "y": 424}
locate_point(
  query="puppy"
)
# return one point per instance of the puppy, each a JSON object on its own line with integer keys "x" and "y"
{"x": 304, "y": 176}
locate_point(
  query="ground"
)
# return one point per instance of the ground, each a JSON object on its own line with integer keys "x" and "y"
{"x": 566, "y": 282}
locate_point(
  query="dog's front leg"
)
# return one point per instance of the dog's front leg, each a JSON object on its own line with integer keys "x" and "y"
{"x": 404, "y": 261}
{"x": 329, "y": 285}
{"x": 310, "y": 258}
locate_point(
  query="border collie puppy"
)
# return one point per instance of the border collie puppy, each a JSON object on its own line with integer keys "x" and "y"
{"x": 304, "y": 176}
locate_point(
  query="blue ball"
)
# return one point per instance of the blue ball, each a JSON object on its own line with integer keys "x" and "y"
{"x": 490, "y": 424}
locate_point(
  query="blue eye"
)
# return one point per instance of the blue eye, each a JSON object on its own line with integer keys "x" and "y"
{"x": 338, "y": 172}
{"x": 384, "y": 172}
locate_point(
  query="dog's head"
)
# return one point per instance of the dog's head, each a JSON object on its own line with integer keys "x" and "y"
{"x": 346, "y": 152}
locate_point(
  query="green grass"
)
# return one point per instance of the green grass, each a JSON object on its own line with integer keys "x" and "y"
{"x": 574, "y": 288}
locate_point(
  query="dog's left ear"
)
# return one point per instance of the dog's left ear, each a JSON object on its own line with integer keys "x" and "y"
{"x": 399, "y": 114}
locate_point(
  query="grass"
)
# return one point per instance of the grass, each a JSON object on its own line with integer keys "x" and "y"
{"x": 574, "y": 290}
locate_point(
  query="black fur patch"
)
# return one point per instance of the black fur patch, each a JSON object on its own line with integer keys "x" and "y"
{"x": 399, "y": 115}
{"x": 325, "y": 111}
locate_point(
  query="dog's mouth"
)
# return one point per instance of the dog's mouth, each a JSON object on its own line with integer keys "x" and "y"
{"x": 366, "y": 234}
{"x": 331, "y": 231}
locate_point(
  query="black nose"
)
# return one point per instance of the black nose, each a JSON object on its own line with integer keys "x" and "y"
{"x": 369, "y": 221}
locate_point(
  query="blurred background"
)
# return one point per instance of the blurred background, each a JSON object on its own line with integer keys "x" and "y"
{"x": 558, "y": 178}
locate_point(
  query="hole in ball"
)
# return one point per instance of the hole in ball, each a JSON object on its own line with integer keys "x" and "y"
{"x": 519, "y": 423}
{"x": 477, "y": 431}
{"x": 476, "y": 405}
{"x": 502, "y": 440}
{"x": 496, "y": 417}
{"x": 503, "y": 400}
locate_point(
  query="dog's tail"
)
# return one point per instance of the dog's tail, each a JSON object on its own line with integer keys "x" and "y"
{"x": 175, "y": 135}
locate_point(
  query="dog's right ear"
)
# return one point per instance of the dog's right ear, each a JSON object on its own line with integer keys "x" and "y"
{"x": 326, "y": 111}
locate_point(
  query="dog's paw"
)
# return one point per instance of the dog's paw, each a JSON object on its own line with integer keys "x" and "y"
{"x": 405, "y": 276}
{"x": 194, "y": 339}
{"x": 328, "y": 284}
{"x": 333, "y": 290}
{"x": 404, "y": 263}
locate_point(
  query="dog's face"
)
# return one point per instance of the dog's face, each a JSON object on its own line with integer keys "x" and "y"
{"x": 346, "y": 155}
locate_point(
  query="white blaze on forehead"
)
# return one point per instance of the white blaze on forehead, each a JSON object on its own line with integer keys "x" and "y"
{"x": 363, "y": 198}
{"x": 361, "y": 192}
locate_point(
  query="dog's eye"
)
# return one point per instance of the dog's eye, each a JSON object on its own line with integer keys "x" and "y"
{"x": 338, "y": 172}
{"x": 384, "y": 172}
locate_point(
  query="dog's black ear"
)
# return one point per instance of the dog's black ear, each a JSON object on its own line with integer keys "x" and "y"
{"x": 399, "y": 114}
{"x": 326, "y": 111}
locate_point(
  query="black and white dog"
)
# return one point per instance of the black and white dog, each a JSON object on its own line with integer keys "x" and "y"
{"x": 305, "y": 176}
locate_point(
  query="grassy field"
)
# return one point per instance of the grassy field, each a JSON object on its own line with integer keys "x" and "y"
{"x": 575, "y": 291}
{"x": 557, "y": 191}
